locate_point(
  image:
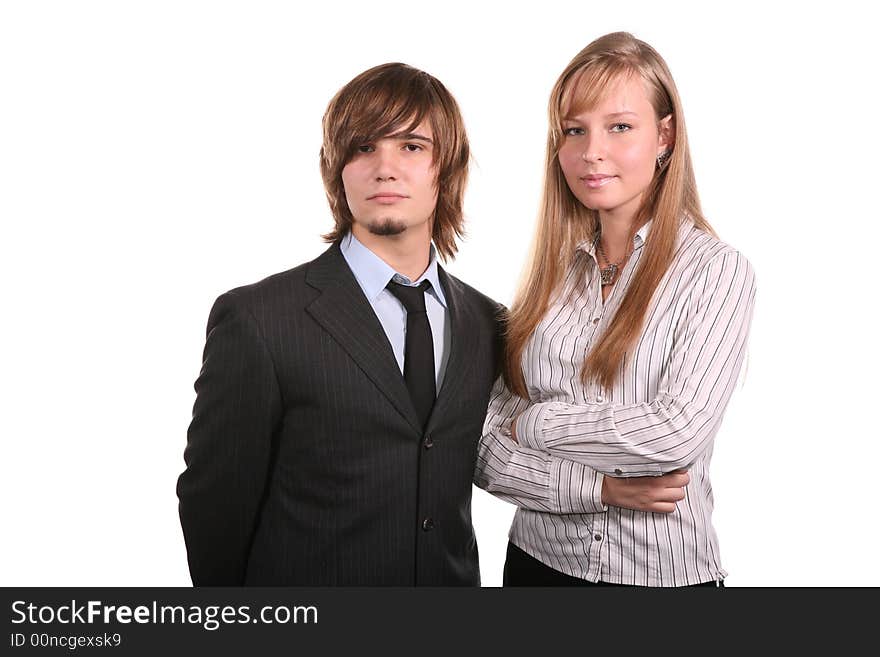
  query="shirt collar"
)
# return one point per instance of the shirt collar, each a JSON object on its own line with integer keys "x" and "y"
{"x": 642, "y": 235}
{"x": 373, "y": 273}
{"x": 589, "y": 246}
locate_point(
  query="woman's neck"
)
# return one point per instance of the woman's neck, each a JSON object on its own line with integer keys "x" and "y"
{"x": 616, "y": 236}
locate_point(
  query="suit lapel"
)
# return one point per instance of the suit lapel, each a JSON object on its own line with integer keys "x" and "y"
{"x": 344, "y": 312}
{"x": 463, "y": 343}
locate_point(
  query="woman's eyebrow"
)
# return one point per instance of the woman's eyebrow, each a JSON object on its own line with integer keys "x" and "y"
{"x": 612, "y": 115}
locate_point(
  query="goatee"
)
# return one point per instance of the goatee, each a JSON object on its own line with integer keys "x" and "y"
{"x": 386, "y": 227}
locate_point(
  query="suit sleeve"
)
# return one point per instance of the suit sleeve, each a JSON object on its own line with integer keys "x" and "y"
{"x": 237, "y": 409}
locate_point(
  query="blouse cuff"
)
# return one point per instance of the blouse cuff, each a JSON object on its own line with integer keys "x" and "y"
{"x": 530, "y": 424}
{"x": 578, "y": 487}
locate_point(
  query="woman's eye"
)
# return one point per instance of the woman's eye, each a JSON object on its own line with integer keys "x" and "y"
{"x": 365, "y": 148}
{"x": 572, "y": 131}
{"x": 620, "y": 127}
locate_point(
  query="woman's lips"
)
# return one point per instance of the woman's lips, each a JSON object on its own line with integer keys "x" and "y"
{"x": 595, "y": 181}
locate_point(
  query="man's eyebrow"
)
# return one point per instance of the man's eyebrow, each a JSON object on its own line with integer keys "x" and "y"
{"x": 407, "y": 136}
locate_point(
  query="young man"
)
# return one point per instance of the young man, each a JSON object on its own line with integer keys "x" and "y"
{"x": 340, "y": 403}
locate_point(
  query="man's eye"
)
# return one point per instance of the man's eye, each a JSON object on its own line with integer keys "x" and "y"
{"x": 413, "y": 148}
{"x": 365, "y": 148}
{"x": 620, "y": 127}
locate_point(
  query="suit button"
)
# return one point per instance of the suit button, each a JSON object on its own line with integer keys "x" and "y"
{"x": 428, "y": 524}
{"x": 429, "y": 442}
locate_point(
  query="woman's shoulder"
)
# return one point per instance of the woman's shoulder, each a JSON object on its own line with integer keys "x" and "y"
{"x": 701, "y": 253}
{"x": 700, "y": 246}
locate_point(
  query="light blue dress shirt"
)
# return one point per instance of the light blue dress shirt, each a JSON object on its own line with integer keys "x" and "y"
{"x": 373, "y": 273}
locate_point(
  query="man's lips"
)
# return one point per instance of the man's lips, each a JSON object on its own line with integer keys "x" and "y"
{"x": 597, "y": 180}
{"x": 386, "y": 197}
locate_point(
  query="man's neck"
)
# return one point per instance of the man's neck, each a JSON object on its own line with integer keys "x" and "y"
{"x": 407, "y": 253}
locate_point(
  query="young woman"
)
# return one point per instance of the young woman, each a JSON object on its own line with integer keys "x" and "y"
{"x": 624, "y": 342}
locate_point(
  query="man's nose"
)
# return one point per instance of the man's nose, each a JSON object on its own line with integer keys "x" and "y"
{"x": 387, "y": 163}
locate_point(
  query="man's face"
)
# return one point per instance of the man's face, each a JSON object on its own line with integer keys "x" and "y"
{"x": 390, "y": 183}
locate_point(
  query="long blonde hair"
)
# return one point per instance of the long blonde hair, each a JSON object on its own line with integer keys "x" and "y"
{"x": 564, "y": 222}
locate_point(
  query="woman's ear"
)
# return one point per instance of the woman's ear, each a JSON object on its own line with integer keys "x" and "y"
{"x": 667, "y": 134}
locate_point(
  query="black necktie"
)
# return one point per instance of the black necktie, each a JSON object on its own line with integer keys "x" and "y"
{"x": 418, "y": 352}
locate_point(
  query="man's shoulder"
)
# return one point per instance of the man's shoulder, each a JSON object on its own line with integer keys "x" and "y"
{"x": 275, "y": 287}
{"x": 477, "y": 299}
{"x": 286, "y": 288}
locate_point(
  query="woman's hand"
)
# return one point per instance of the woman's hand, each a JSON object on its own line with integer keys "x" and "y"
{"x": 654, "y": 494}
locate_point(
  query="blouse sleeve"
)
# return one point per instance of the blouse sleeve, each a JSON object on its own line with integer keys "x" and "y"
{"x": 670, "y": 432}
{"x": 530, "y": 478}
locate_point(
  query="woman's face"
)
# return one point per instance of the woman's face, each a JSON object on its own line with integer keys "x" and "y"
{"x": 609, "y": 153}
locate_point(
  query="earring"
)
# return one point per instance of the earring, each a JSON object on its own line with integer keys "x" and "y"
{"x": 663, "y": 158}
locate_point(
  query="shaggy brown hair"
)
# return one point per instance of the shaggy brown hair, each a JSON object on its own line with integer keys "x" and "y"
{"x": 387, "y": 100}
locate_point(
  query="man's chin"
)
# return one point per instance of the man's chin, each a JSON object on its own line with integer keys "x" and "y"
{"x": 387, "y": 227}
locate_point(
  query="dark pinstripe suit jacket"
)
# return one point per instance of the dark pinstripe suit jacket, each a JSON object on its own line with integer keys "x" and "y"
{"x": 305, "y": 462}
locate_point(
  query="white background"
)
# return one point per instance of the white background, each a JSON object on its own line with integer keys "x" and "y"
{"x": 155, "y": 154}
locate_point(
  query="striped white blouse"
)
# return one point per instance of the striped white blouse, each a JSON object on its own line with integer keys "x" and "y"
{"x": 662, "y": 415}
